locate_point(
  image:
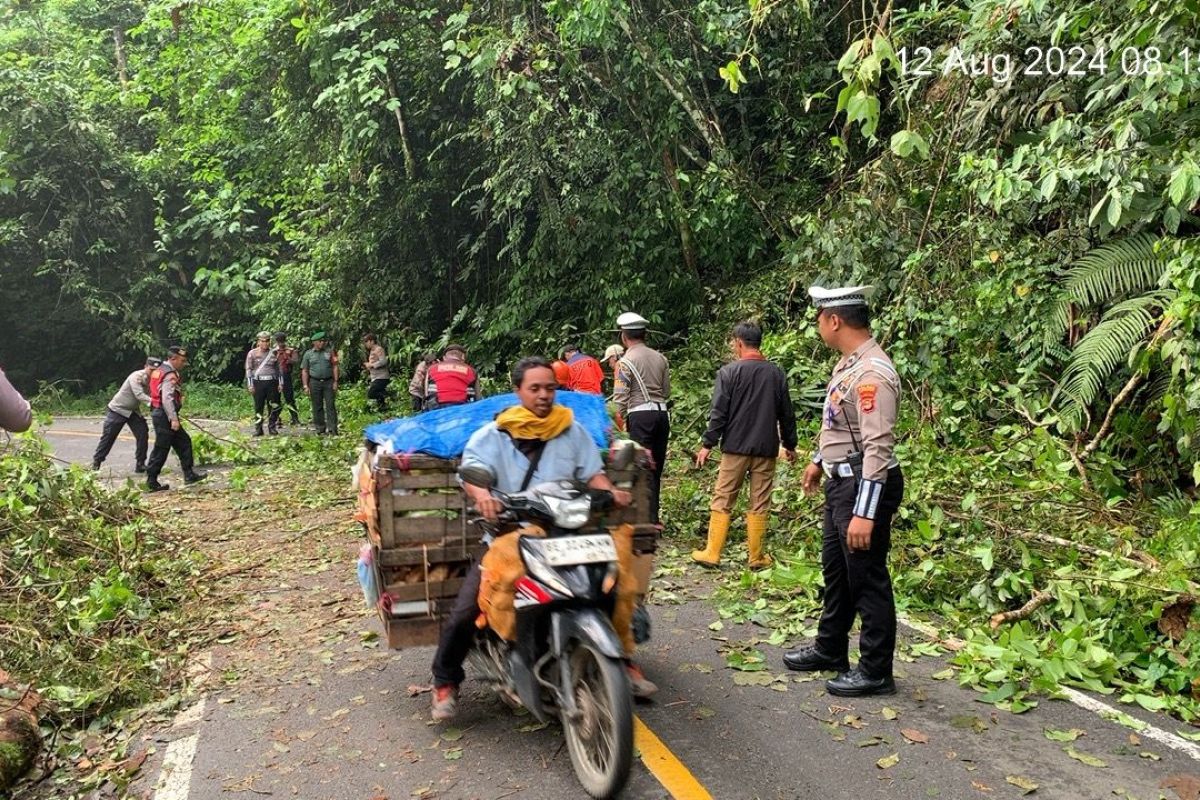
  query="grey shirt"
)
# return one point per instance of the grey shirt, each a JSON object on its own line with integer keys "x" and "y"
{"x": 377, "y": 364}
{"x": 134, "y": 391}
{"x": 643, "y": 376}
{"x": 15, "y": 413}
{"x": 861, "y": 405}
{"x": 262, "y": 366}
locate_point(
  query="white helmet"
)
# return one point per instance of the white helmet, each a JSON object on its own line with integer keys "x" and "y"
{"x": 629, "y": 321}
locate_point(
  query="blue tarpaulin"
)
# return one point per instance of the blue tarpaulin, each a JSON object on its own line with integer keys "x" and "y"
{"x": 444, "y": 432}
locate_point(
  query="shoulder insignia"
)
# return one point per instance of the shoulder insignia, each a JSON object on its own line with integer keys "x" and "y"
{"x": 866, "y": 397}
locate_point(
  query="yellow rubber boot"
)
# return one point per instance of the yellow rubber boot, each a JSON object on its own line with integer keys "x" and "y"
{"x": 756, "y": 529}
{"x": 718, "y": 529}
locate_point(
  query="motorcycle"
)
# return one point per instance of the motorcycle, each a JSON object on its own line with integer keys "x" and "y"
{"x": 567, "y": 660}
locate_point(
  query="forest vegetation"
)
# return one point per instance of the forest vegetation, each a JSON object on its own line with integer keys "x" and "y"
{"x": 509, "y": 174}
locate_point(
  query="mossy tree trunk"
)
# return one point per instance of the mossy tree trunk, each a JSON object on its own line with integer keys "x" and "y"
{"x": 20, "y": 740}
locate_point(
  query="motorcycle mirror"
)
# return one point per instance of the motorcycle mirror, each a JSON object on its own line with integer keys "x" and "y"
{"x": 477, "y": 475}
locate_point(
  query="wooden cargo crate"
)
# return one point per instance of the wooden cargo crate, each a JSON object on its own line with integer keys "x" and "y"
{"x": 424, "y": 544}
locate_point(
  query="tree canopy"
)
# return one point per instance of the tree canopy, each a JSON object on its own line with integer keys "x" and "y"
{"x": 512, "y": 173}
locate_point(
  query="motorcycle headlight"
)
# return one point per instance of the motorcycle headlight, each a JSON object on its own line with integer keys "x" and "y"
{"x": 570, "y": 514}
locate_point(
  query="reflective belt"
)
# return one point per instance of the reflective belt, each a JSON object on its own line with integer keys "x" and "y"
{"x": 649, "y": 407}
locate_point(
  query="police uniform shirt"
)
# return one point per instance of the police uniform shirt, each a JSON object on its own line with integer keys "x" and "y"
{"x": 861, "y": 404}
{"x": 261, "y": 366}
{"x": 654, "y": 385}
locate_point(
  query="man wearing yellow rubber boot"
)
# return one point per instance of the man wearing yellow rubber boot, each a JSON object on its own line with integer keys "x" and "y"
{"x": 751, "y": 413}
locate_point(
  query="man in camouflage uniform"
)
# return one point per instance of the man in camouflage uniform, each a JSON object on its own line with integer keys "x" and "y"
{"x": 864, "y": 488}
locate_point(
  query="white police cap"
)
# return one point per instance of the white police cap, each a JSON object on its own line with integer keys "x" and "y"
{"x": 837, "y": 298}
{"x": 630, "y": 321}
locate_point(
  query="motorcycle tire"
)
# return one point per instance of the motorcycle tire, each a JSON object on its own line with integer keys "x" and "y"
{"x": 600, "y": 743}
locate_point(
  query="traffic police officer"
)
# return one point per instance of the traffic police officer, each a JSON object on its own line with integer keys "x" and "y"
{"x": 863, "y": 489}
{"x": 642, "y": 388}
{"x": 166, "y": 401}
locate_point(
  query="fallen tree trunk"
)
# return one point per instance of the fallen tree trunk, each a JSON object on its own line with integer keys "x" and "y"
{"x": 20, "y": 739}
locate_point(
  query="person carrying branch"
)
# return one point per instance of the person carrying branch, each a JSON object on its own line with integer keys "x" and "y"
{"x": 863, "y": 490}
{"x": 125, "y": 409}
{"x": 166, "y": 401}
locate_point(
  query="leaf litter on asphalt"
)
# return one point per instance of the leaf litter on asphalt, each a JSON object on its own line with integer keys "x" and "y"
{"x": 1084, "y": 758}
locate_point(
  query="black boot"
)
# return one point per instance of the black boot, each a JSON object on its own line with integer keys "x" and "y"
{"x": 258, "y": 430}
{"x": 139, "y": 467}
{"x": 195, "y": 476}
{"x": 810, "y": 659}
{"x": 857, "y": 684}
{"x": 155, "y": 486}
{"x": 95, "y": 466}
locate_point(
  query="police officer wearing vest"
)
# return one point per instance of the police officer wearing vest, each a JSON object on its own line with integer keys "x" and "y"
{"x": 166, "y": 399}
{"x": 641, "y": 390}
{"x": 863, "y": 489}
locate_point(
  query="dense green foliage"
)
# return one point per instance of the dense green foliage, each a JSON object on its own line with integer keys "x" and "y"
{"x": 511, "y": 173}
{"x": 92, "y": 590}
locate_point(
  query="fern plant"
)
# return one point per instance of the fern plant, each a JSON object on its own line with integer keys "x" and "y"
{"x": 1125, "y": 276}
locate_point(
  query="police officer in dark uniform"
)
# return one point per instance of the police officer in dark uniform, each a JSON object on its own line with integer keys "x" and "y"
{"x": 863, "y": 489}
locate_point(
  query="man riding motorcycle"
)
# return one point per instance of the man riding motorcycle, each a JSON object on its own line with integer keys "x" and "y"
{"x": 528, "y": 444}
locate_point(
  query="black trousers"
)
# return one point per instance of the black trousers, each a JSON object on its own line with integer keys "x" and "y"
{"x": 113, "y": 422}
{"x": 288, "y": 390}
{"x": 377, "y": 391}
{"x": 857, "y": 582}
{"x": 266, "y": 398}
{"x": 458, "y": 631}
{"x": 166, "y": 440}
{"x": 651, "y": 429}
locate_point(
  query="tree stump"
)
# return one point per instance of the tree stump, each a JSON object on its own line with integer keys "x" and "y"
{"x": 20, "y": 739}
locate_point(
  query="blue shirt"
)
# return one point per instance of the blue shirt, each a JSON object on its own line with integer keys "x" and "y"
{"x": 572, "y": 455}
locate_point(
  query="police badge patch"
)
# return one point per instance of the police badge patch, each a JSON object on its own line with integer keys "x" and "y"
{"x": 866, "y": 397}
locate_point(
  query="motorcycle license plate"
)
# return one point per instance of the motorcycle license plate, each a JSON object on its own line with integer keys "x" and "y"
{"x": 578, "y": 550}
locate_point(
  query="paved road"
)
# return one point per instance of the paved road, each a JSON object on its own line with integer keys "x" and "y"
{"x": 316, "y": 709}
{"x": 340, "y": 724}
{"x": 74, "y": 440}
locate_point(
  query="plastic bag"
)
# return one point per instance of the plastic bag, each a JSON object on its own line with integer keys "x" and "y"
{"x": 366, "y": 575}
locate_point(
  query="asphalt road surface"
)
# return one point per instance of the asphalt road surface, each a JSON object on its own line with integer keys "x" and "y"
{"x": 73, "y": 440}
{"x": 346, "y": 728}
{"x": 338, "y": 717}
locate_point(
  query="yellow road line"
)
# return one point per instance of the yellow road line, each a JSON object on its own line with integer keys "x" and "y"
{"x": 665, "y": 767}
{"x": 89, "y": 434}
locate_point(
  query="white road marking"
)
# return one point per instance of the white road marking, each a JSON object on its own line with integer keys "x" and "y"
{"x": 190, "y": 715}
{"x": 1080, "y": 699}
{"x": 176, "y": 776}
{"x": 1149, "y": 731}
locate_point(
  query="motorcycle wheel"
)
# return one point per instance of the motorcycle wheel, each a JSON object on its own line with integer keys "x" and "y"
{"x": 601, "y": 740}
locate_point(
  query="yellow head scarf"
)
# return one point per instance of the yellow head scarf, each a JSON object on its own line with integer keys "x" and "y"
{"x": 521, "y": 423}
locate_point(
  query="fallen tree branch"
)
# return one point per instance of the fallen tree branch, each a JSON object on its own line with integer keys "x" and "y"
{"x": 1038, "y": 600}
